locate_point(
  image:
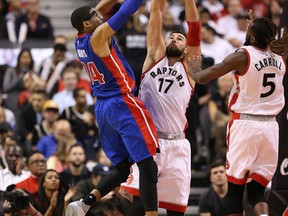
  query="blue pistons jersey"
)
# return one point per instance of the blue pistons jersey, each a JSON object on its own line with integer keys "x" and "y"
{"x": 127, "y": 131}
{"x": 110, "y": 75}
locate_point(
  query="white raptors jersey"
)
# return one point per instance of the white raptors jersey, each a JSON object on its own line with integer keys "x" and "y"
{"x": 259, "y": 90}
{"x": 166, "y": 92}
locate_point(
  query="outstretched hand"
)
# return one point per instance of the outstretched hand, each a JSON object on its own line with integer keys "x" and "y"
{"x": 251, "y": 17}
{"x": 194, "y": 64}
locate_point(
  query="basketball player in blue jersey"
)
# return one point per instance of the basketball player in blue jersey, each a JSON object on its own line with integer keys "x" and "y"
{"x": 127, "y": 131}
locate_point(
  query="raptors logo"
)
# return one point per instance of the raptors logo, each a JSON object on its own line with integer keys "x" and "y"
{"x": 284, "y": 167}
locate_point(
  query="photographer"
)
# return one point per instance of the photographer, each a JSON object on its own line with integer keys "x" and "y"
{"x": 30, "y": 210}
{"x": 18, "y": 202}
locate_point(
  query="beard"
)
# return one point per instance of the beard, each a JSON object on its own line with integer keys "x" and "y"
{"x": 173, "y": 51}
{"x": 77, "y": 164}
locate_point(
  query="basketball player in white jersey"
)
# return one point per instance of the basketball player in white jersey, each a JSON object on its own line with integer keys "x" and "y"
{"x": 166, "y": 89}
{"x": 256, "y": 98}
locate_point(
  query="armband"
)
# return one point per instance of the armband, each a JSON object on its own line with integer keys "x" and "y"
{"x": 194, "y": 33}
{"x": 125, "y": 11}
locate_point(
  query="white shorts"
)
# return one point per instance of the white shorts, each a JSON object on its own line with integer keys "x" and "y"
{"x": 252, "y": 151}
{"x": 174, "y": 175}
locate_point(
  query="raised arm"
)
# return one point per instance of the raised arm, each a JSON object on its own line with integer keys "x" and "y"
{"x": 194, "y": 30}
{"x": 237, "y": 61}
{"x": 101, "y": 37}
{"x": 105, "y": 5}
{"x": 155, "y": 43}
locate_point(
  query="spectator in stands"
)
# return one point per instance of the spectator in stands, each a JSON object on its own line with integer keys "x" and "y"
{"x": 206, "y": 18}
{"x": 16, "y": 9}
{"x": 29, "y": 210}
{"x": 39, "y": 25}
{"x": 6, "y": 141}
{"x": 220, "y": 116}
{"x": 13, "y": 82}
{"x": 32, "y": 82}
{"x": 75, "y": 114}
{"x": 211, "y": 43}
{"x": 214, "y": 6}
{"x": 234, "y": 7}
{"x": 14, "y": 173}
{"x": 30, "y": 115}
{"x": 62, "y": 133}
{"x": 91, "y": 140}
{"x": 65, "y": 97}
{"x": 83, "y": 79}
{"x": 36, "y": 164}
{"x": 47, "y": 126}
{"x": 169, "y": 23}
{"x": 86, "y": 185}
{"x": 59, "y": 160}
{"x": 52, "y": 67}
{"x": 3, "y": 13}
{"x": 9, "y": 115}
{"x": 62, "y": 39}
{"x": 133, "y": 43}
{"x": 275, "y": 9}
{"x": 76, "y": 169}
{"x": 213, "y": 202}
{"x": 50, "y": 198}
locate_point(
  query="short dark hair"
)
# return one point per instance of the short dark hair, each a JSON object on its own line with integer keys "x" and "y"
{"x": 216, "y": 163}
{"x": 41, "y": 92}
{"x": 33, "y": 153}
{"x": 74, "y": 146}
{"x": 76, "y": 92}
{"x": 60, "y": 47}
{"x": 78, "y": 17}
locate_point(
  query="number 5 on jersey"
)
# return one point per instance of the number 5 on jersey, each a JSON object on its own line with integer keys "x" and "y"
{"x": 93, "y": 73}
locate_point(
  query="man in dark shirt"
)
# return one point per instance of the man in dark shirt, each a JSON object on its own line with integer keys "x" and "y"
{"x": 76, "y": 169}
{"x": 213, "y": 202}
{"x": 39, "y": 26}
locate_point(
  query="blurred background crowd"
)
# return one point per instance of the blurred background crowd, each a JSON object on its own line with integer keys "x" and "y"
{"x": 49, "y": 136}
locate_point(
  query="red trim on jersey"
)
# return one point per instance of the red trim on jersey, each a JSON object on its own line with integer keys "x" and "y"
{"x": 115, "y": 66}
{"x": 172, "y": 207}
{"x": 149, "y": 133}
{"x": 285, "y": 213}
{"x": 81, "y": 35}
{"x": 235, "y": 96}
{"x": 165, "y": 205}
{"x": 260, "y": 179}
{"x": 236, "y": 181}
{"x": 133, "y": 191}
{"x": 228, "y": 135}
{"x": 144, "y": 72}
{"x": 248, "y": 64}
{"x": 188, "y": 77}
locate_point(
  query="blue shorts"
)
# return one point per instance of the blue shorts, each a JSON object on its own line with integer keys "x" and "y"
{"x": 127, "y": 131}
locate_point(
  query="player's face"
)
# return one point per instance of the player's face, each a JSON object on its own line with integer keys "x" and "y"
{"x": 175, "y": 45}
{"x": 96, "y": 18}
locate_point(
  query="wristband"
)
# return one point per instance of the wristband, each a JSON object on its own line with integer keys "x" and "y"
{"x": 194, "y": 33}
